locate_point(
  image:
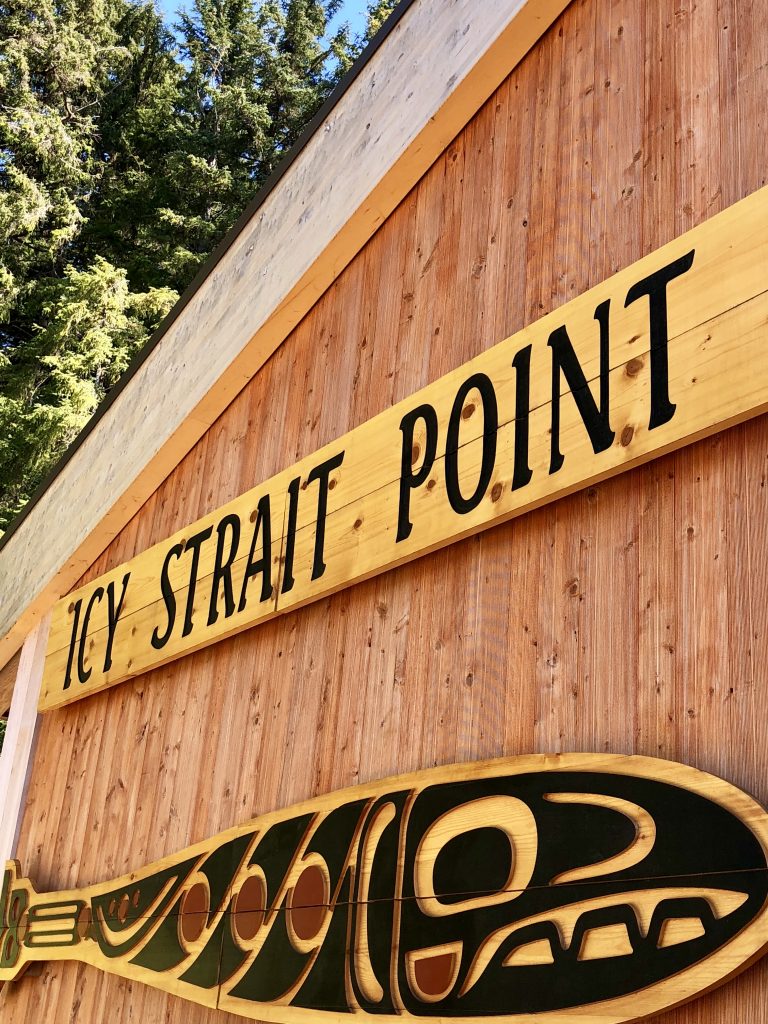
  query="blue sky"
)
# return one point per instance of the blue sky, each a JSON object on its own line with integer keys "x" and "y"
{"x": 352, "y": 11}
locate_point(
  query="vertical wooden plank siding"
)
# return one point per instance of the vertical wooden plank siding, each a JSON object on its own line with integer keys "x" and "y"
{"x": 629, "y": 617}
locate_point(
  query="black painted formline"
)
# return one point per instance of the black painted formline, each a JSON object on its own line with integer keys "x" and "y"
{"x": 213, "y": 260}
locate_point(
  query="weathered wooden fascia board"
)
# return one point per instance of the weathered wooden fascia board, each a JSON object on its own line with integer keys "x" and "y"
{"x": 16, "y": 756}
{"x": 7, "y": 681}
{"x": 433, "y": 72}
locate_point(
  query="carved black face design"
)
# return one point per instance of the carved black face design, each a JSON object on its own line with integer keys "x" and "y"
{"x": 595, "y": 886}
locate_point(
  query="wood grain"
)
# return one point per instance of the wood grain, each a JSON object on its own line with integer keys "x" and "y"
{"x": 716, "y": 310}
{"x": 116, "y": 925}
{"x": 628, "y": 617}
{"x": 361, "y": 162}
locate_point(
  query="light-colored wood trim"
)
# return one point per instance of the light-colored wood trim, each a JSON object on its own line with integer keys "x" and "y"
{"x": 429, "y": 77}
{"x": 7, "y": 681}
{"x": 16, "y": 755}
{"x": 714, "y": 375}
{"x": 49, "y": 921}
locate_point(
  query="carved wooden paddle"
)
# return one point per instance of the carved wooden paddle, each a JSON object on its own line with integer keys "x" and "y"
{"x": 536, "y": 889}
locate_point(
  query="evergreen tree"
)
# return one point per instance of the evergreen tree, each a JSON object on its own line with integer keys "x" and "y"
{"x": 378, "y": 12}
{"x": 126, "y": 151}
{"x": 252, "y": 77}
{"x": 68, "y": 324}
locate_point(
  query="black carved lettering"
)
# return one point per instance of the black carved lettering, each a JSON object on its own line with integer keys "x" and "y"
{"x": 262, "y": 528}
{"x": 655, "y": 287}
{"x": 596, "y": 418}
{"x": 409, "y": 479}
{"x": 159, "y": 641}
{"x": 222, "y": 567}
{"x": 481, "y": 383}
{"x": 322, "y": 473}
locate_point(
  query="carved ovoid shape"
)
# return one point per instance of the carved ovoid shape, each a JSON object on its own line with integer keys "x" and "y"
{"x": 308, "y": 903}
{"x": 193, "y": 912}
{"x": 554, "y": 889}
{"x": 248, "y": 909}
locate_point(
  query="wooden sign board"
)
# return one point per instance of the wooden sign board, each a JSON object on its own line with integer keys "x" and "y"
{"x": 562, "y": 889}
{"x": 665, "y": 352}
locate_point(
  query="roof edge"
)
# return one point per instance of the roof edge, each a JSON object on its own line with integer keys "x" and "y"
{"x": 405, "y": 101}
{"x": 212, "y": 261}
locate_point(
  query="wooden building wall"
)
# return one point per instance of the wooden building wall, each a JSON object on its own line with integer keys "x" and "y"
{"x": 629, "y": 617}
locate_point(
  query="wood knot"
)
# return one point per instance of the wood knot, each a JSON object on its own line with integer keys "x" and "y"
{"x": 572, "y": 586}
{"x": 626, "y": 435}
{"x": 633, "y": 367}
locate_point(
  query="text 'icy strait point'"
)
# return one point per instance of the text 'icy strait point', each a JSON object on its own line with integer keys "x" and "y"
{"x": 247, "y": 558}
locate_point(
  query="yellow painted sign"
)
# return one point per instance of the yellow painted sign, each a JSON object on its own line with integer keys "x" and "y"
{"x": 667, "y": 351}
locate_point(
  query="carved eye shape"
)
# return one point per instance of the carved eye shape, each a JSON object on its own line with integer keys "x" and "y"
{"x": 511, "y": 838}
{"x": 455, "y": 871}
